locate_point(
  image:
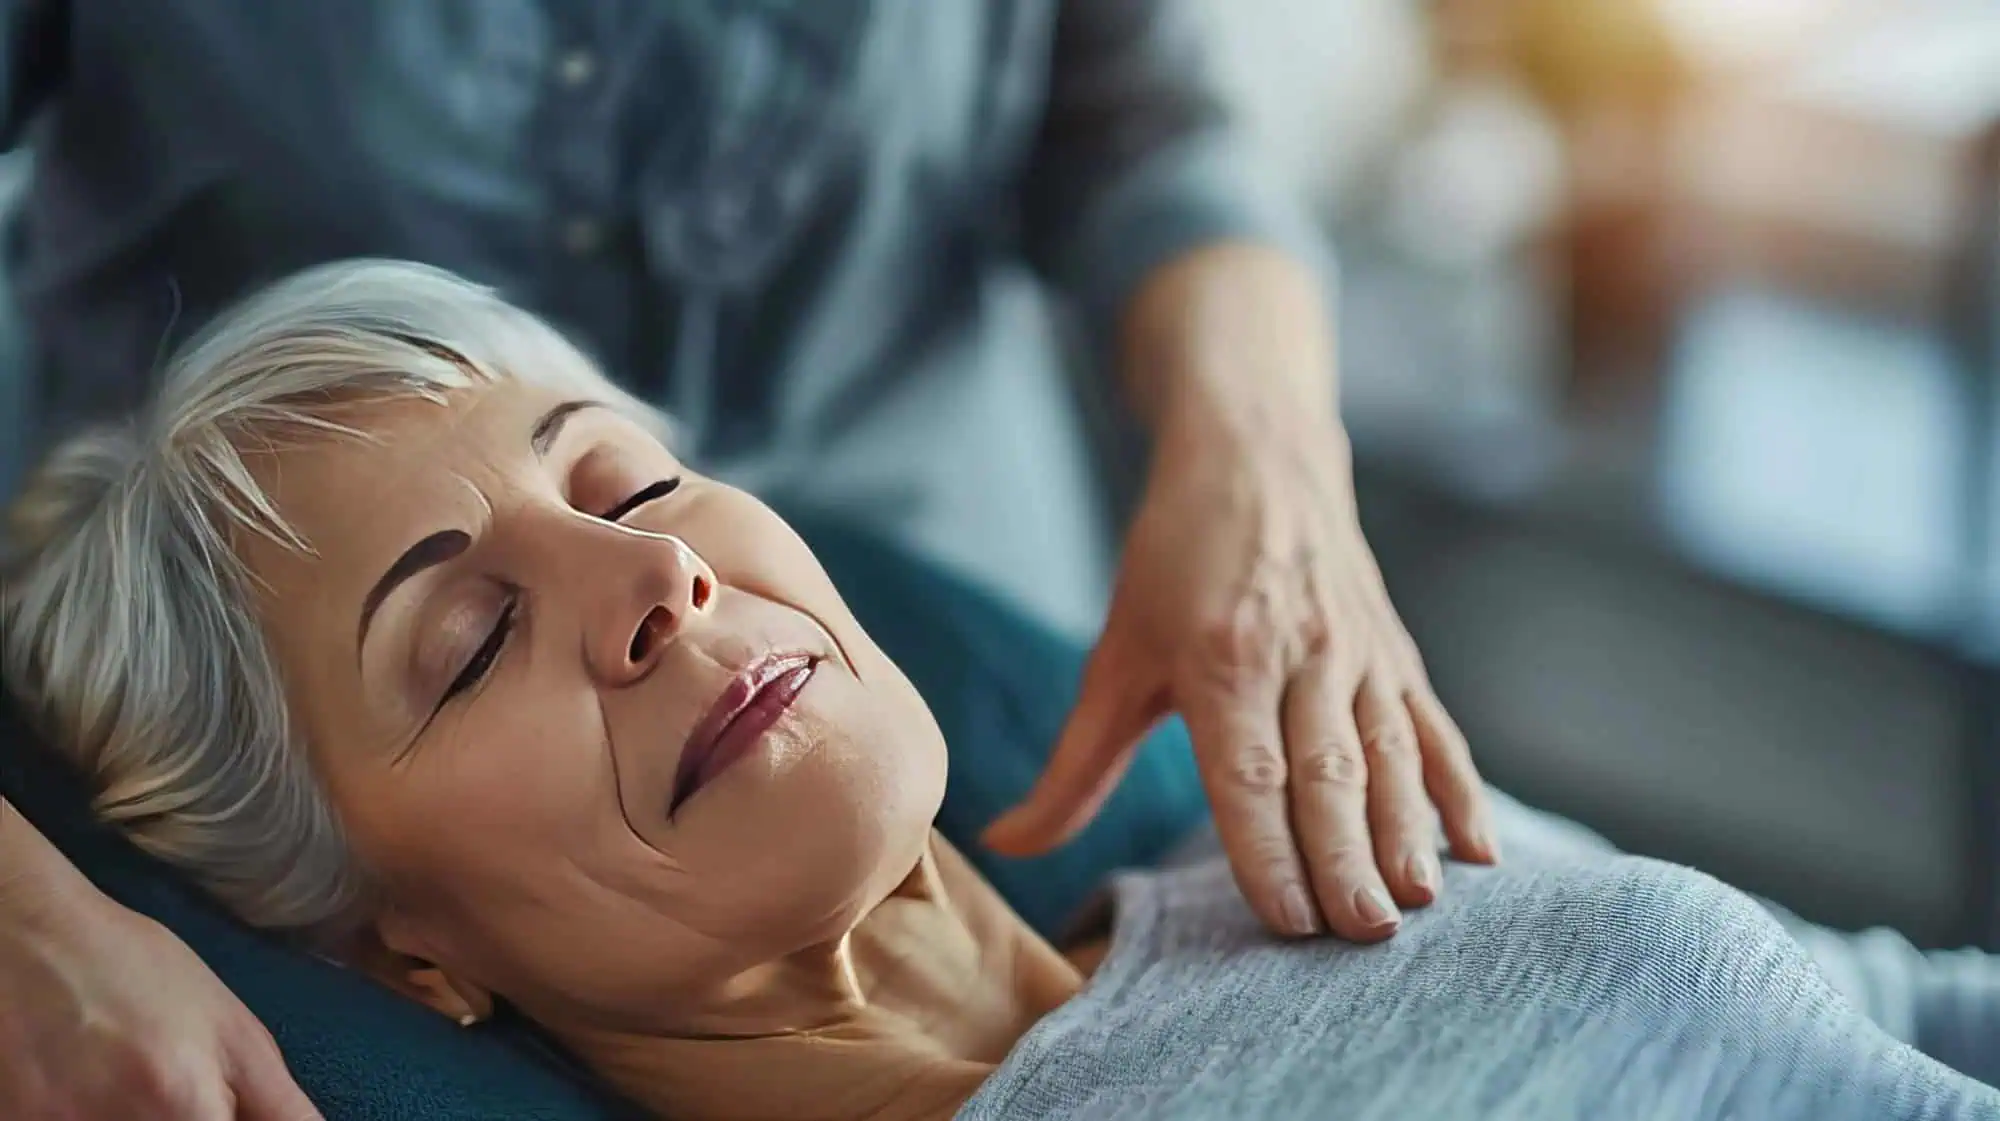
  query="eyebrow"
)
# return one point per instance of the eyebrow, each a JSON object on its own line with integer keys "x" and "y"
{"x": 448, "y": 544}
{"x": 432, "y": 551}
{"x": 544, "y": 434}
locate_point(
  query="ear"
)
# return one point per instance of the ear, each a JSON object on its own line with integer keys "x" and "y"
{"x": 394, "y": 955}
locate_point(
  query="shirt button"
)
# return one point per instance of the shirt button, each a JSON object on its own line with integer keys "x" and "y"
{"x": 582, "y": 235}
{"x": 576, "y": 68}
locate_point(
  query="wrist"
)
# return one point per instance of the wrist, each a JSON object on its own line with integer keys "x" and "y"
{"x": 1235, "y": 337}
{"x": 1198, "y": 428}
{"x": 1248, "y": 418}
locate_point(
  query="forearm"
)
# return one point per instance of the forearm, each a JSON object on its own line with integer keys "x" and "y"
{"x": 1236, "y": 334}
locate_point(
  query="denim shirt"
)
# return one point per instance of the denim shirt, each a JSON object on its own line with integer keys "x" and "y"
{"x": 824, "y": 233}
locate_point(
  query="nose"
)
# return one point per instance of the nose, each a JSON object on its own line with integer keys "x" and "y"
{"x": 665, "y": 586}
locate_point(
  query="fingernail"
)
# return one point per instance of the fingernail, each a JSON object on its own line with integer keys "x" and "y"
{"x": 1425, "y": 873}
{"x": 1375, "y": 907}
{"x": 1301, "y": 917}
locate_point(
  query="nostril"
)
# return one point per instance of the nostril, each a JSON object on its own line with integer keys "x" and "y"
{"x": 651, "y": 628}
{"x": 699, "y": 594}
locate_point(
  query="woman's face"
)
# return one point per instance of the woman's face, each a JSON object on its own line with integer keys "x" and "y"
{"x": 601, "y": 728}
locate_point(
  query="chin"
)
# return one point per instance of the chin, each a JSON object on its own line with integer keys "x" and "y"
{"x": 868, "y": 829}
{"x": 891, "y": 828}
{"x": 821, "y": 842}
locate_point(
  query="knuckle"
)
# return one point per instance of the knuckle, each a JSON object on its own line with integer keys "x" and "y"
{"x": 157, "y": 1079}
{"x": 1272, "y": 861}
{"x": 1234, "y": 643}
{"x": 1344, "y": 674}
{"x": 1258, "y": 770}
{"x": 1390, "y": 740}
{"x": 254, "y": 1034}
{"x": 1334, "y": 764}
{"x": 1315, "y": 634}
{"x": 260, "y": 1049}
{"x": 1345, "y": 662}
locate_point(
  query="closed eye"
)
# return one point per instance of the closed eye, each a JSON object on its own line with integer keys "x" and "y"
{"x": 488, "y": 653}
{"x": 652, "y": 493}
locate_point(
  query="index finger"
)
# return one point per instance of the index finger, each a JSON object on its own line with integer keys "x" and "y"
{"x": 1091, "y": 755}
{"x": 1241, "y": 753}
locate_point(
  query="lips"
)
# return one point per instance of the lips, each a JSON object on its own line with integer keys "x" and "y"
{"x": 747, "y": 707}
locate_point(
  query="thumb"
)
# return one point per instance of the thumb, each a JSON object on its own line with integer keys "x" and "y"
{"x": 265, "y": 1090}
{"x": 1114, "y": 710}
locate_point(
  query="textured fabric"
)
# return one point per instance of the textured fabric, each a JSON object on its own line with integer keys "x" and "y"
{"x": 1946, "y": 1003}
{"x": 1572, "y": 984}
{"x": 823, "y": 233}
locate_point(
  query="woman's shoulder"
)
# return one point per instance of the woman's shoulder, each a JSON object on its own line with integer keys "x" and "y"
{"x": 1579, "y": 900}
{"x": 1598, "y": 930}
{"x": 1581, "y": 957}
{"x": 1560, "y": 885}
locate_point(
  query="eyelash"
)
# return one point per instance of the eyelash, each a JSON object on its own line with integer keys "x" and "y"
{"x": 481, "y": 662}
{"x": 489, "y": 651}
{"x": 652, "y": 493}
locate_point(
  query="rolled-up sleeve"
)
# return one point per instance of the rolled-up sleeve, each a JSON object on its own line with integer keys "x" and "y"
{"x": 1141, "y": 159}
{"x": 34, "y": 49}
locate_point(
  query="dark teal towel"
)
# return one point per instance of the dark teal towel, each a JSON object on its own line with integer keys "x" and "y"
{"x": 999, "y": 685}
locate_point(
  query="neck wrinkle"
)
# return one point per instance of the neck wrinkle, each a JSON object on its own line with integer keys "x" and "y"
{"x": 900, "y": 1019}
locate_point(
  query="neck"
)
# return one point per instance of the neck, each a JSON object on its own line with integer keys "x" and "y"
{"x": 899, "y": 1020}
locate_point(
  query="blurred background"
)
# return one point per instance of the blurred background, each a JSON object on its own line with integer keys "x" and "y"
{"x": 1669, "y": 335}
{"x": 1669, "y": 354}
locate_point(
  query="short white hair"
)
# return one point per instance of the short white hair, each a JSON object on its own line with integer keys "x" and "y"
{"x": 127, "y": 615}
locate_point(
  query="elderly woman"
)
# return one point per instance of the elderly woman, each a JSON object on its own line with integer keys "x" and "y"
{"x": 400, "y": 629}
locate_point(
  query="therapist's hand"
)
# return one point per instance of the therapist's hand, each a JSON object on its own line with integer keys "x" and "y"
{"x": 106, "y": 1016}
{"x": 1249, "y": 602}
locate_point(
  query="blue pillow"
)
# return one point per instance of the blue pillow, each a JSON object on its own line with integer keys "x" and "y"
{"x": 999, "y": 684}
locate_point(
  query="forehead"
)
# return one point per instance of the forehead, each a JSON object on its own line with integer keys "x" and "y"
{"x": 412, "y": 466}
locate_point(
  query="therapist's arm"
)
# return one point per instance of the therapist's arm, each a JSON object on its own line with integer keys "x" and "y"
{"x": 105, "y": 1015}
{"x": 1247, "y": 598}
{"x": 1140, "y": 159}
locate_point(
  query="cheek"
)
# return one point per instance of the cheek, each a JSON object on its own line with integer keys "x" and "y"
{"x": 754, "y": 549}
{"x": 501, "y": 791}
{"x": 503, "y": 843}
